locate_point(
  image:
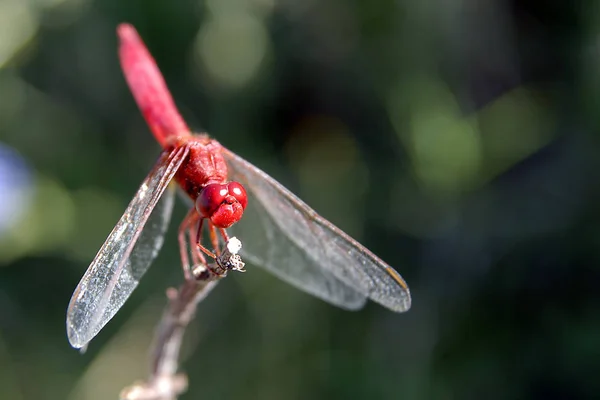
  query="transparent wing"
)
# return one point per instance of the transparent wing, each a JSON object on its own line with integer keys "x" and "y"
{"x": 285, "y": 236}
{"x": 126, "y": 254}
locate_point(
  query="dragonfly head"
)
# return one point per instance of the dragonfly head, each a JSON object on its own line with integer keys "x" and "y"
{"x": 223, "y": 204}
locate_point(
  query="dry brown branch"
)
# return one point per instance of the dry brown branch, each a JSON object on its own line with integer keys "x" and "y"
{"x": 164, "y": 382}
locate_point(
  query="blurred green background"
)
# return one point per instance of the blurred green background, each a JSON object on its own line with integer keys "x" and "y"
{"x": 457, "y": 140}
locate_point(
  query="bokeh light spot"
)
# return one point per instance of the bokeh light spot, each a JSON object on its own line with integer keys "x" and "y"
{"x": 15, "y": 188}
{"x": 444, "y": 147}
{"x": 46, "y": 225}
{"x": 446, "y": 150}
{"x": 514, "y": 127}
{"x": 232, "y": 48}
{"x": 18, "y": 24}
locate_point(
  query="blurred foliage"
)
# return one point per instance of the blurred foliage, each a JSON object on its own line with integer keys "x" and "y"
{"x": 457, "y": 140}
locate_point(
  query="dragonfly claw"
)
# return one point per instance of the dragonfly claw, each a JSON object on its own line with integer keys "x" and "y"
{"x": 229, "y": 258}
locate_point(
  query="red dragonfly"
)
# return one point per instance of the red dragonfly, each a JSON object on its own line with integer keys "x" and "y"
{"x": 279, "y": 231}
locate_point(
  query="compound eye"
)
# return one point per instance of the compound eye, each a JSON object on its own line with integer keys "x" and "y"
{"x": 237, "y": 190}
{"x": 210, "y": 198}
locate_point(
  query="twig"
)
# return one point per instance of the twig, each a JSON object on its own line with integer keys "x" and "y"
{"x": 164, "y": 382}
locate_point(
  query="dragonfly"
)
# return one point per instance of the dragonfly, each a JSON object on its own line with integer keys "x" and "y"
{"x": 278, "y": 230}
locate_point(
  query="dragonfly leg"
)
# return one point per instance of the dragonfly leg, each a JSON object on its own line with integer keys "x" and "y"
{"x": 197, "y": 256}
{"x": 224, "y": 234}
{"x": 199, "y": 245}
{"x": 188, "y": 221}
{"x": 214, "y": 238}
